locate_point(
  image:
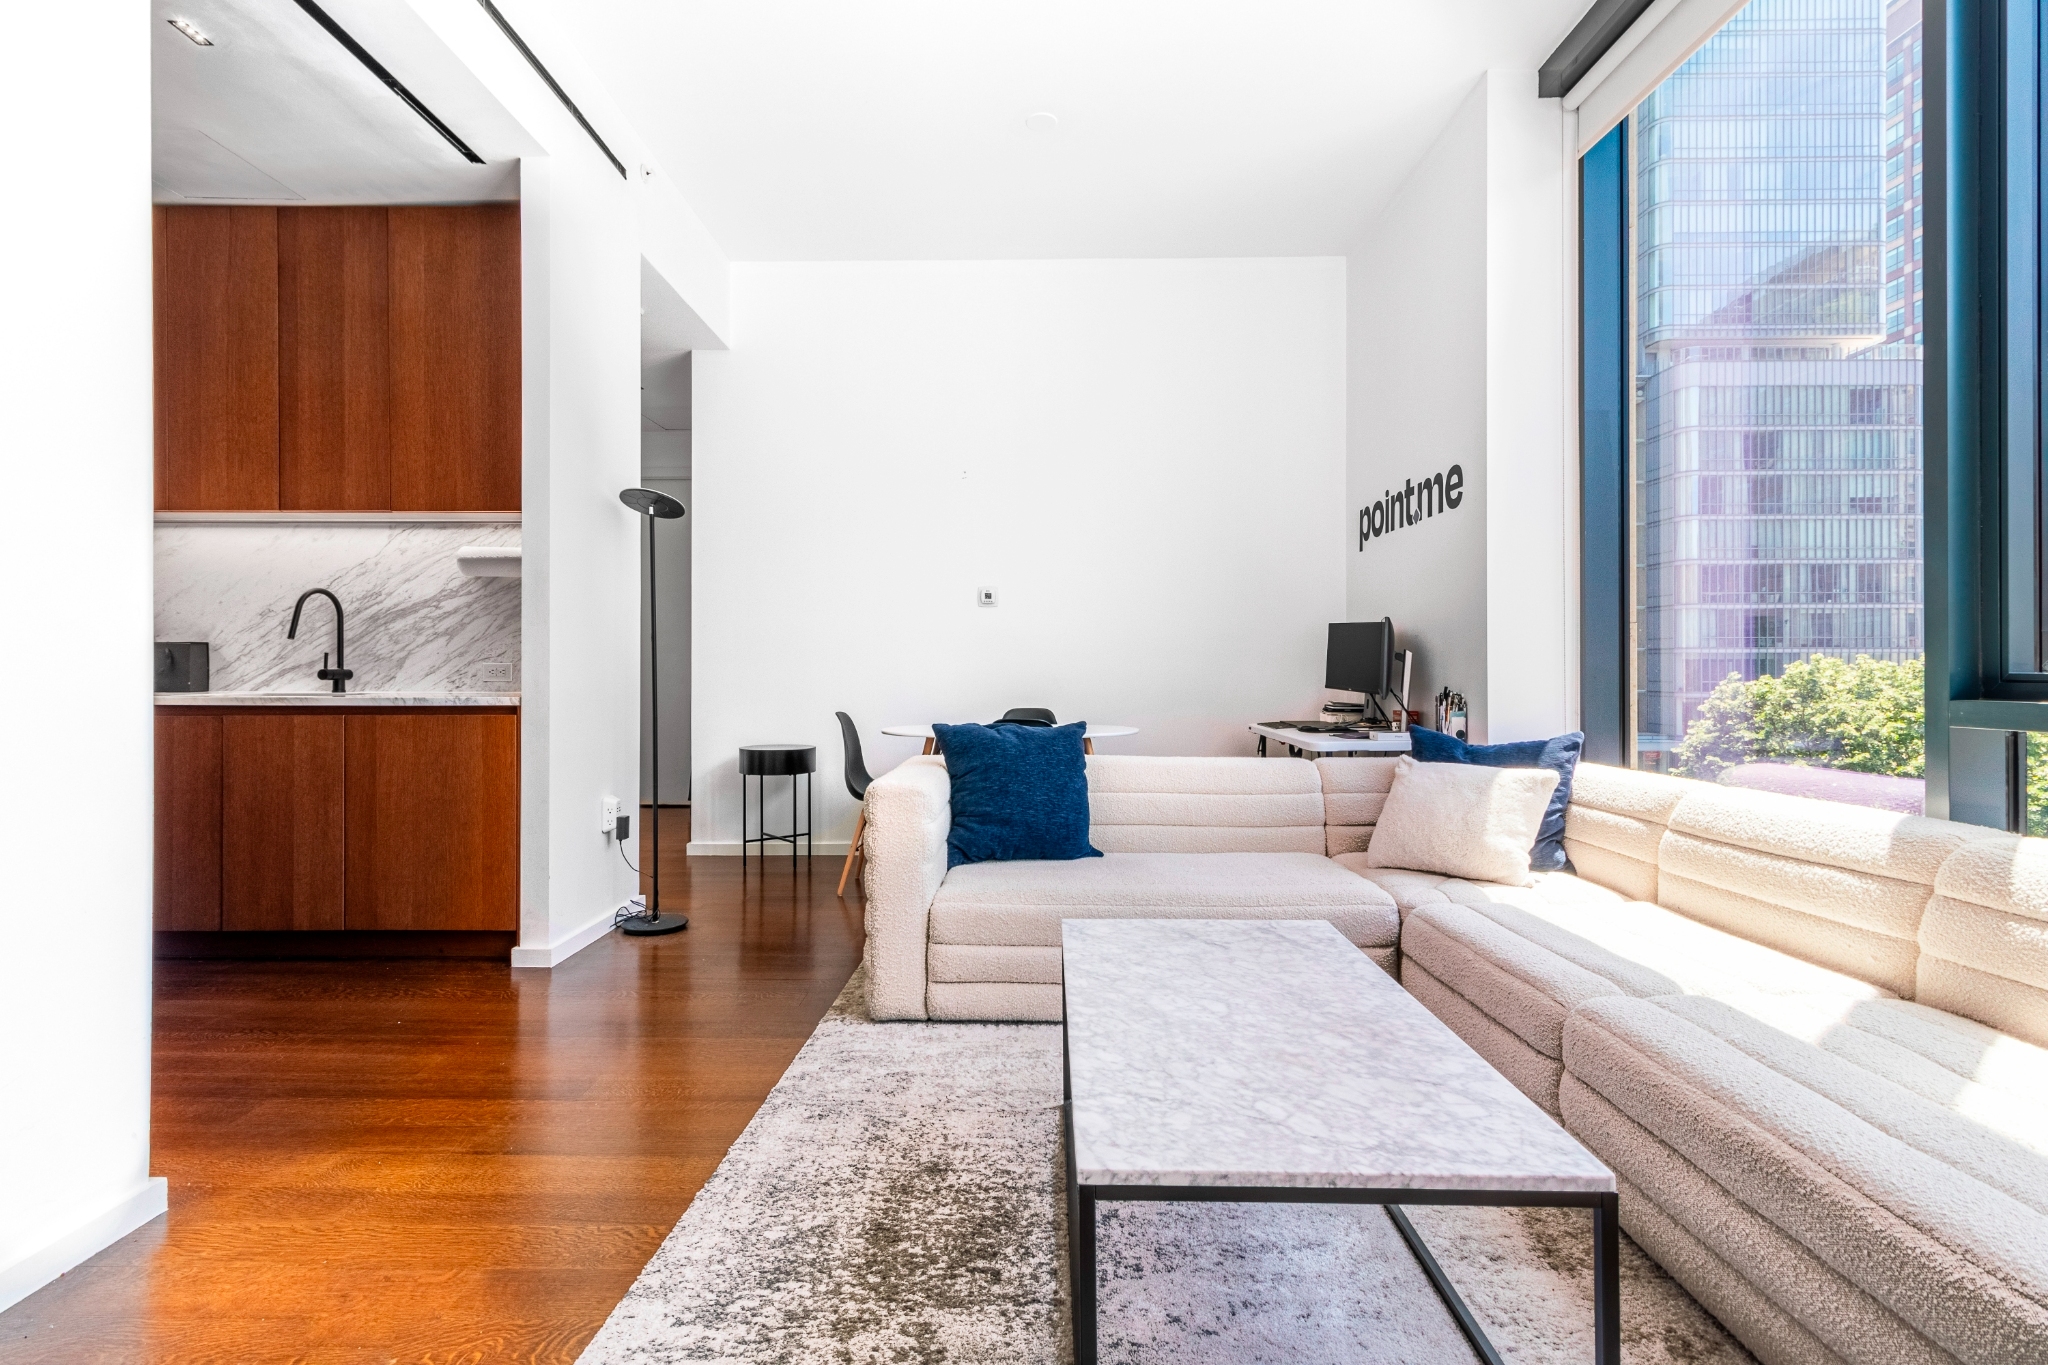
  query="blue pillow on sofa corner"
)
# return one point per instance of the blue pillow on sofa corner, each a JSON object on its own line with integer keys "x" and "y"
{"x": 1019, "y": 792}
{"x": 1560, "y": 755}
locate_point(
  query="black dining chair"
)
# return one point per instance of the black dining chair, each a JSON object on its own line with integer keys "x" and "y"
{"x": 1036, "y": 716}
{"x": 857, "y": 781}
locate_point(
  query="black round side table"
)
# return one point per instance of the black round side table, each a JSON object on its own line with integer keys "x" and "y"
{"x": 761, "y": 762}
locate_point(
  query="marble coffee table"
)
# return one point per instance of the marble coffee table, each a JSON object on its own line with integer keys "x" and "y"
{"x": 1247, "y": 1061}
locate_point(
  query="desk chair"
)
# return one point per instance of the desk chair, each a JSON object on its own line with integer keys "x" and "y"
{"x": 857, "y": 781}
{"x": 1035, "y": 716}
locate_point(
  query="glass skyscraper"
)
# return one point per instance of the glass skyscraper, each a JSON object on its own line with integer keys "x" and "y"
{"x": 1776, "y": 258}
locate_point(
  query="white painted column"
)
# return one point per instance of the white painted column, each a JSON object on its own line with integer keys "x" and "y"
{"x": 1529, "y": 376}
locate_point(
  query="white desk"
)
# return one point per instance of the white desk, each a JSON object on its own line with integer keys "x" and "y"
{"x": 1318, "y": 746}
{"x": 1088, "y": 736}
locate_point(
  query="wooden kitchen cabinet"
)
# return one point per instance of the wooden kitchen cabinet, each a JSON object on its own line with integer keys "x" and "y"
{"x": 338, "y": 359}
{"x": 188, "y": 825}
{"x": 334, "y": 360}
{"x": 216, "y": 358}
{"x": 455, "y": 358}
{"x": 281, "y": 809}
{"x": 433, "y": 821}
{"x": 329, "y": 819}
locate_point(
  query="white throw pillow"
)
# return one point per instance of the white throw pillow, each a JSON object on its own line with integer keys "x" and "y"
{"x": 1461, "y": 819}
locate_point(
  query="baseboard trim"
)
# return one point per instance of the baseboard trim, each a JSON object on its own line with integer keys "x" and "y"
{"x": 568, "y": 945}
{"x": 333, "y": 944}
{"x": 730, "y": 848}
{"x": 69, "y": 1250}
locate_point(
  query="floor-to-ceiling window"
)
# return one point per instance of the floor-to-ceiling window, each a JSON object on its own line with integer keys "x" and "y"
{"x": 1777, "y": 279}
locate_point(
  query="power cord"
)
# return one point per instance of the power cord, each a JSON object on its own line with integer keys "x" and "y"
{"x": 635, "y": 906}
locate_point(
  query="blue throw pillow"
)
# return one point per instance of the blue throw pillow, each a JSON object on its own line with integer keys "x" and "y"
{"x": 1560, "y": 755}
{"x": 1018, "y": 792}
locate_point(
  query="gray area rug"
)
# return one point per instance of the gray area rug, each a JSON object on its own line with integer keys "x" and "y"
{"x": 900, "y": 1198}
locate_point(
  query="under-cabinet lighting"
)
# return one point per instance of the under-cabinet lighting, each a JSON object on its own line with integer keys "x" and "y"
{"x": 190, "y": 30}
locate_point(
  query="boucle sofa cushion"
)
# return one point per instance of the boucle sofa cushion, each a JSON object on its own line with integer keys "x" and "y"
{"x": 1615, "y": 822}
{"x": 1527, "y": 960}
{"x": 1927, "y": 1209}
{"x": 1354, "y": 791}
{"x": 1410, "y": 889}
{"x": 1461, "y": 820}
{"x": 1204, "y": 805}
{"x": 1984, "y": 939}
{"x": 1843, "y": 886}
{"x": 1777, "y": 1297}
{"x": 1021, "y": 904}
{"x": 995, "y": 1002}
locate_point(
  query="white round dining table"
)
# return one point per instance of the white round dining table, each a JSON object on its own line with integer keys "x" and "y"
{"x": 1088, "y": 736}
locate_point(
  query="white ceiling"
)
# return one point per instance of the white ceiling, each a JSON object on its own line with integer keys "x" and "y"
{"x": 277, "y": 111}
{"x": 818, "y": 129}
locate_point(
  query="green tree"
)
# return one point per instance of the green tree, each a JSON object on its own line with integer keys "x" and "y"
{"x": 2037, "y": 783}
{"x": 1865, "y": 715}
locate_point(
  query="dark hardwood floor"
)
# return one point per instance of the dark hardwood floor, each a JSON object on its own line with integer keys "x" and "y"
{"x": 447, "y": 1162}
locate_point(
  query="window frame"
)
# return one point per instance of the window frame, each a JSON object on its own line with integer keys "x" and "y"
{"x": 1606, "y": 436}
{"x": 1981, "y": 317}
{"x": 1986, "y": 683}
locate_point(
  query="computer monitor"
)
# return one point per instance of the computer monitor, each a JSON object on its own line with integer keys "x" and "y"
{"x": 1360, "y": 657}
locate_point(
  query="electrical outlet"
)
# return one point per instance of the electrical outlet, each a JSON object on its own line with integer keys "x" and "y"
{"x": 495, "y": 672}
{"x": 986, "y": 596}
{"x": 613, "y": 809}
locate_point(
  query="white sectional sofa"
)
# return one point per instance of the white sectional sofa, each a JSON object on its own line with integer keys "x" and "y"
{"x": 1810, "y": 1039}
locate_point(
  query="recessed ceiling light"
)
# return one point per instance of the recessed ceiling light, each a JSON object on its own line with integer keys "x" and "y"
{"x": 190, "y": 30}
{"x": 1041, "y": 122}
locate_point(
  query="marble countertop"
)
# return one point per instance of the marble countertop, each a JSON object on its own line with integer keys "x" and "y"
{"x": 337, "y": 699}
{"x": 1243, "y": 1053}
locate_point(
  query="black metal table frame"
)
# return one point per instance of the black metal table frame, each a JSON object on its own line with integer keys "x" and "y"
{"x": 1082, "y": 1199}
{"x": 764, "y": 838}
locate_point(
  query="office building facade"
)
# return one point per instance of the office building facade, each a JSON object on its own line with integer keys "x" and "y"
{"x": 1777, "y": 422}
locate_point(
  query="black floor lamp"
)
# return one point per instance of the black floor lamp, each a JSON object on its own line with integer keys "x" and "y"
{"x": 653, "y": 505}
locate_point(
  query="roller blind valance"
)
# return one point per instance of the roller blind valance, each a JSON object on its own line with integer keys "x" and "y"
{"x": 1653, "y": 47}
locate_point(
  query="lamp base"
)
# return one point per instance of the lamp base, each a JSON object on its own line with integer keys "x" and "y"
{"x": 664, "y": 923}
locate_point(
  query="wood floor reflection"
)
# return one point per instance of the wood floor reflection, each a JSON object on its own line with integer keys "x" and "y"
{"x": 448, "y": 1162}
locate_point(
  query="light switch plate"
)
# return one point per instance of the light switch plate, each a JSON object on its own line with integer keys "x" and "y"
{"x": 495, "y": 672}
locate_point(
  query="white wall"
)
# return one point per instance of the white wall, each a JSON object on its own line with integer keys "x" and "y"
{"x": 1144, "y": 458}
{"x": 1417, "y": 406}
{"x": 672, "y": 546}
{"x": 1461, "y": 352}
{"x": 75, "y": 824}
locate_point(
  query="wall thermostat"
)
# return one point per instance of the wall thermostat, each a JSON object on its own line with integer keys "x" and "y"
{"x": 986, "y": 596}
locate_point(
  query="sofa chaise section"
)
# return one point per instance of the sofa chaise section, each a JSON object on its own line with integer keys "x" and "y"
{"x": 1514, "y": 963}
{"x": 1838, "y": 1174}
{"x": 1825, "y": 1171}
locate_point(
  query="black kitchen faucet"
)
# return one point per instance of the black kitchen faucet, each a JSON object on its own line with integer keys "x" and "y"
{"x": 339, "y": 674}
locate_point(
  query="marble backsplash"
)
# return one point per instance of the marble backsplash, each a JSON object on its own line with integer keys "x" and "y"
{"x": 415, "y": 623}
